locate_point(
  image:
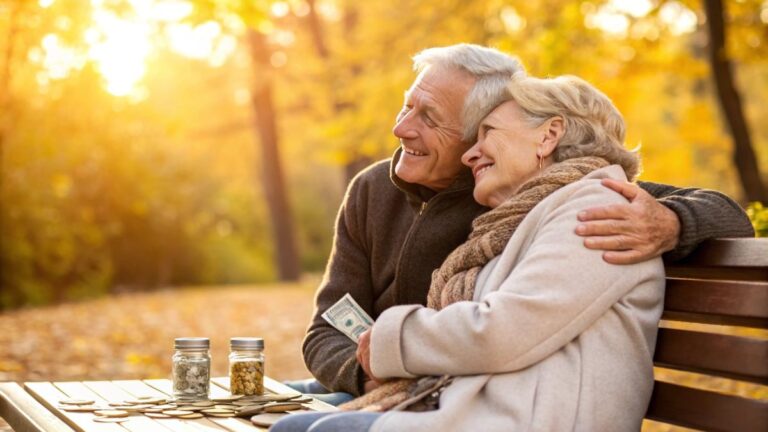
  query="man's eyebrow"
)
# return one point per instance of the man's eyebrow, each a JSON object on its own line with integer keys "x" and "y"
{"x": 433, "y": 112}
{"x": 430, "y": 110}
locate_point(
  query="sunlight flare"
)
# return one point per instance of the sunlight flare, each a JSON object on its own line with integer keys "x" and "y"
{"x": 57, "y": 59}
{"x": 678, "y": 18}
{"x": 120, "y": 51}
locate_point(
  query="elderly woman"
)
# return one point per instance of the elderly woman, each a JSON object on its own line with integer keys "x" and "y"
{"x": 526, "y": 329}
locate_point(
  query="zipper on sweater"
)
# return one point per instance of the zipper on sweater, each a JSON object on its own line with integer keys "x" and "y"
{"x": 423, "y": 206}
{"x": 414, "y": 227}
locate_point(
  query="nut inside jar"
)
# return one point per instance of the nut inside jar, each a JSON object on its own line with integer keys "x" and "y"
{"x": 246, "y": 377}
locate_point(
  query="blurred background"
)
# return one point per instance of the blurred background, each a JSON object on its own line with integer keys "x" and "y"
{"x": 155, "y": 143}
{"x": 148, "y": 146}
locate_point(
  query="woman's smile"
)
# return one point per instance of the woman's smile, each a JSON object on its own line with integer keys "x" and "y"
{"x": 480, "y": 169}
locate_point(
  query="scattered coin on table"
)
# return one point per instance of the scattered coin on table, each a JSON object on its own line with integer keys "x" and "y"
{"x": 76, "y": 402}
{"x": 267, "y": 420}
{"x": 216, "y": 411}
{"x": 110, "y": 419}
{"x": 189, "y": 408}
{"x": 81, "y": 408}
{"x": 220, "y": 407}
{"x": 177, "y": 413}
{"x": 281, "y": 407}
{"x": 229, "y": 398}
{"x": 112, "y": 413}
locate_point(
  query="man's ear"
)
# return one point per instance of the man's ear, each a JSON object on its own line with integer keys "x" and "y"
{"x": 553, "y": 130}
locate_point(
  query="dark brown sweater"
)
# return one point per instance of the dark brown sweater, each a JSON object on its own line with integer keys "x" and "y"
{"x": 390, "y": 236}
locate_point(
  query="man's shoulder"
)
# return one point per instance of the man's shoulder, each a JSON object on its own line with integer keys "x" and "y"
{"x": 374, "y": 181}
{"x": 375, "y": 173}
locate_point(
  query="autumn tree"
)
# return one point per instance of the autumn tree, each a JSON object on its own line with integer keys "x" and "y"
{"x": 730, "y": 102}
{"x": 266, "y": 118}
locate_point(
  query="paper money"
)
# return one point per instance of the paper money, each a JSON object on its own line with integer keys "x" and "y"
{"x": 348, "y": 317}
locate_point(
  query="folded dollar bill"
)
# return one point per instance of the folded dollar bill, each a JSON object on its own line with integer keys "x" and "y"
{"x": 348, "y": 317}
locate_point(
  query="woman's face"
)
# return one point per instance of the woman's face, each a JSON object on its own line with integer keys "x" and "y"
{"x": 504, "y": 156}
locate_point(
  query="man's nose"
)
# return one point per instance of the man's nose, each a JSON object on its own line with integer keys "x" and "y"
{"x": 404, "y": 127}
{"x": 471, "y": 156}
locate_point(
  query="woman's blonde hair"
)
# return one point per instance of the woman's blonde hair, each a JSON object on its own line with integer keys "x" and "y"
{"x": 593, "y": 125}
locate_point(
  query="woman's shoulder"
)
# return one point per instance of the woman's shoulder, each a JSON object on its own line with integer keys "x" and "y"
{"x": 588, "y": 191}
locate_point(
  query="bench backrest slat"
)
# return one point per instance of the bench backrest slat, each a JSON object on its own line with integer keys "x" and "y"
{"x": 735, "y": 357}
{"x": 717, "y": 302}
{"x": 724, "y": 281}
{"x": 708, "y": 411}
{"x": 735, "y": 252}
{"x": 725, "y": 259}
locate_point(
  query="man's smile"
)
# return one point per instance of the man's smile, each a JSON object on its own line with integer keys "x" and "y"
{"x": 412, "y": 152}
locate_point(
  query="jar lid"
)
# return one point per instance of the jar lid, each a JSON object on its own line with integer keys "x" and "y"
{"x": 246, "y": 343}
{"x": 192, "y": 343}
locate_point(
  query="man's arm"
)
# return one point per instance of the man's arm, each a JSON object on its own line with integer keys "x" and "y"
{"x": 660, "y": 219}
{"x": 328, "y": 353}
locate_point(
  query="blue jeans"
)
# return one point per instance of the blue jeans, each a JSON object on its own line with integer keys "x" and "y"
{"x": 316, "y": 390}
{"x": 347, "y": 421}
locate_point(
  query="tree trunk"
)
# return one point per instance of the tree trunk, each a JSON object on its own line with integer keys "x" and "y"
{"x": 730, "y": 102}
{"x": 5, "y": 124}
{"x": 272, "y": 174}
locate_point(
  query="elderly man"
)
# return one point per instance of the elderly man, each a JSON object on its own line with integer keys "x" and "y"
{"x": 401, "y": 217}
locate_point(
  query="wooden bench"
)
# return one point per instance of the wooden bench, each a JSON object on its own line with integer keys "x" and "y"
{"x": 725, "y": 282}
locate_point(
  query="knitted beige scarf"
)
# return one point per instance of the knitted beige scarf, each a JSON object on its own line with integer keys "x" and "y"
{"x": 455, "y": 280}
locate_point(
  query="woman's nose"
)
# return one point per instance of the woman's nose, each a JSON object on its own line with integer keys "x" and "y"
{"x": 471, "y": 156}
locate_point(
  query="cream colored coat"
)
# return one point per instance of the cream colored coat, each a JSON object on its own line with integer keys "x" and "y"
{"x": 556, "y": 339}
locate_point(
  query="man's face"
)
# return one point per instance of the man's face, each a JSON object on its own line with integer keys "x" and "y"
{"x": 429, "y": 128}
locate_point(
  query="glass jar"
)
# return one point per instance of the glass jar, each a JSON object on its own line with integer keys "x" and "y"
{"x": 191, "y": 368}
{"x": 246, "y": 366}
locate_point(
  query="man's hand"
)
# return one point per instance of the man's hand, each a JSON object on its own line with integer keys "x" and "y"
{"x": 629, "y": 233}
{"x": 363, "y": 355}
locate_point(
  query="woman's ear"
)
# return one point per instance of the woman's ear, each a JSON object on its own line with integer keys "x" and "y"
{"x": 553, "y": 129}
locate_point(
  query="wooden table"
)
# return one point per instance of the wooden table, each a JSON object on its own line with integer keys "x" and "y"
{"x": 32, "y": 408}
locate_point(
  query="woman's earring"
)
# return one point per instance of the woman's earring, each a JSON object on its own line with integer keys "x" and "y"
{"x": 538, "y": 155}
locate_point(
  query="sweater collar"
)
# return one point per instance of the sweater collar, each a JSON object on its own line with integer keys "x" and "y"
{"x": 418, "y": 194}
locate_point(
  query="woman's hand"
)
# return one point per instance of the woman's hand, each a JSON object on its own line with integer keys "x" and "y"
{"x": 633, "y": 232}
{"x": 363, "y": 355}
{"x": 370, "y": 386}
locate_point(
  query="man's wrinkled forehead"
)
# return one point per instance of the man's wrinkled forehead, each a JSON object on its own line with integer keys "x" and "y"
{"x": 440, "y": 90}
{"x": 425, "y": 103}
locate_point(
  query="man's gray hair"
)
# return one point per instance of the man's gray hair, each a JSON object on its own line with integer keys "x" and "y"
{"x": 492, "y": 70}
